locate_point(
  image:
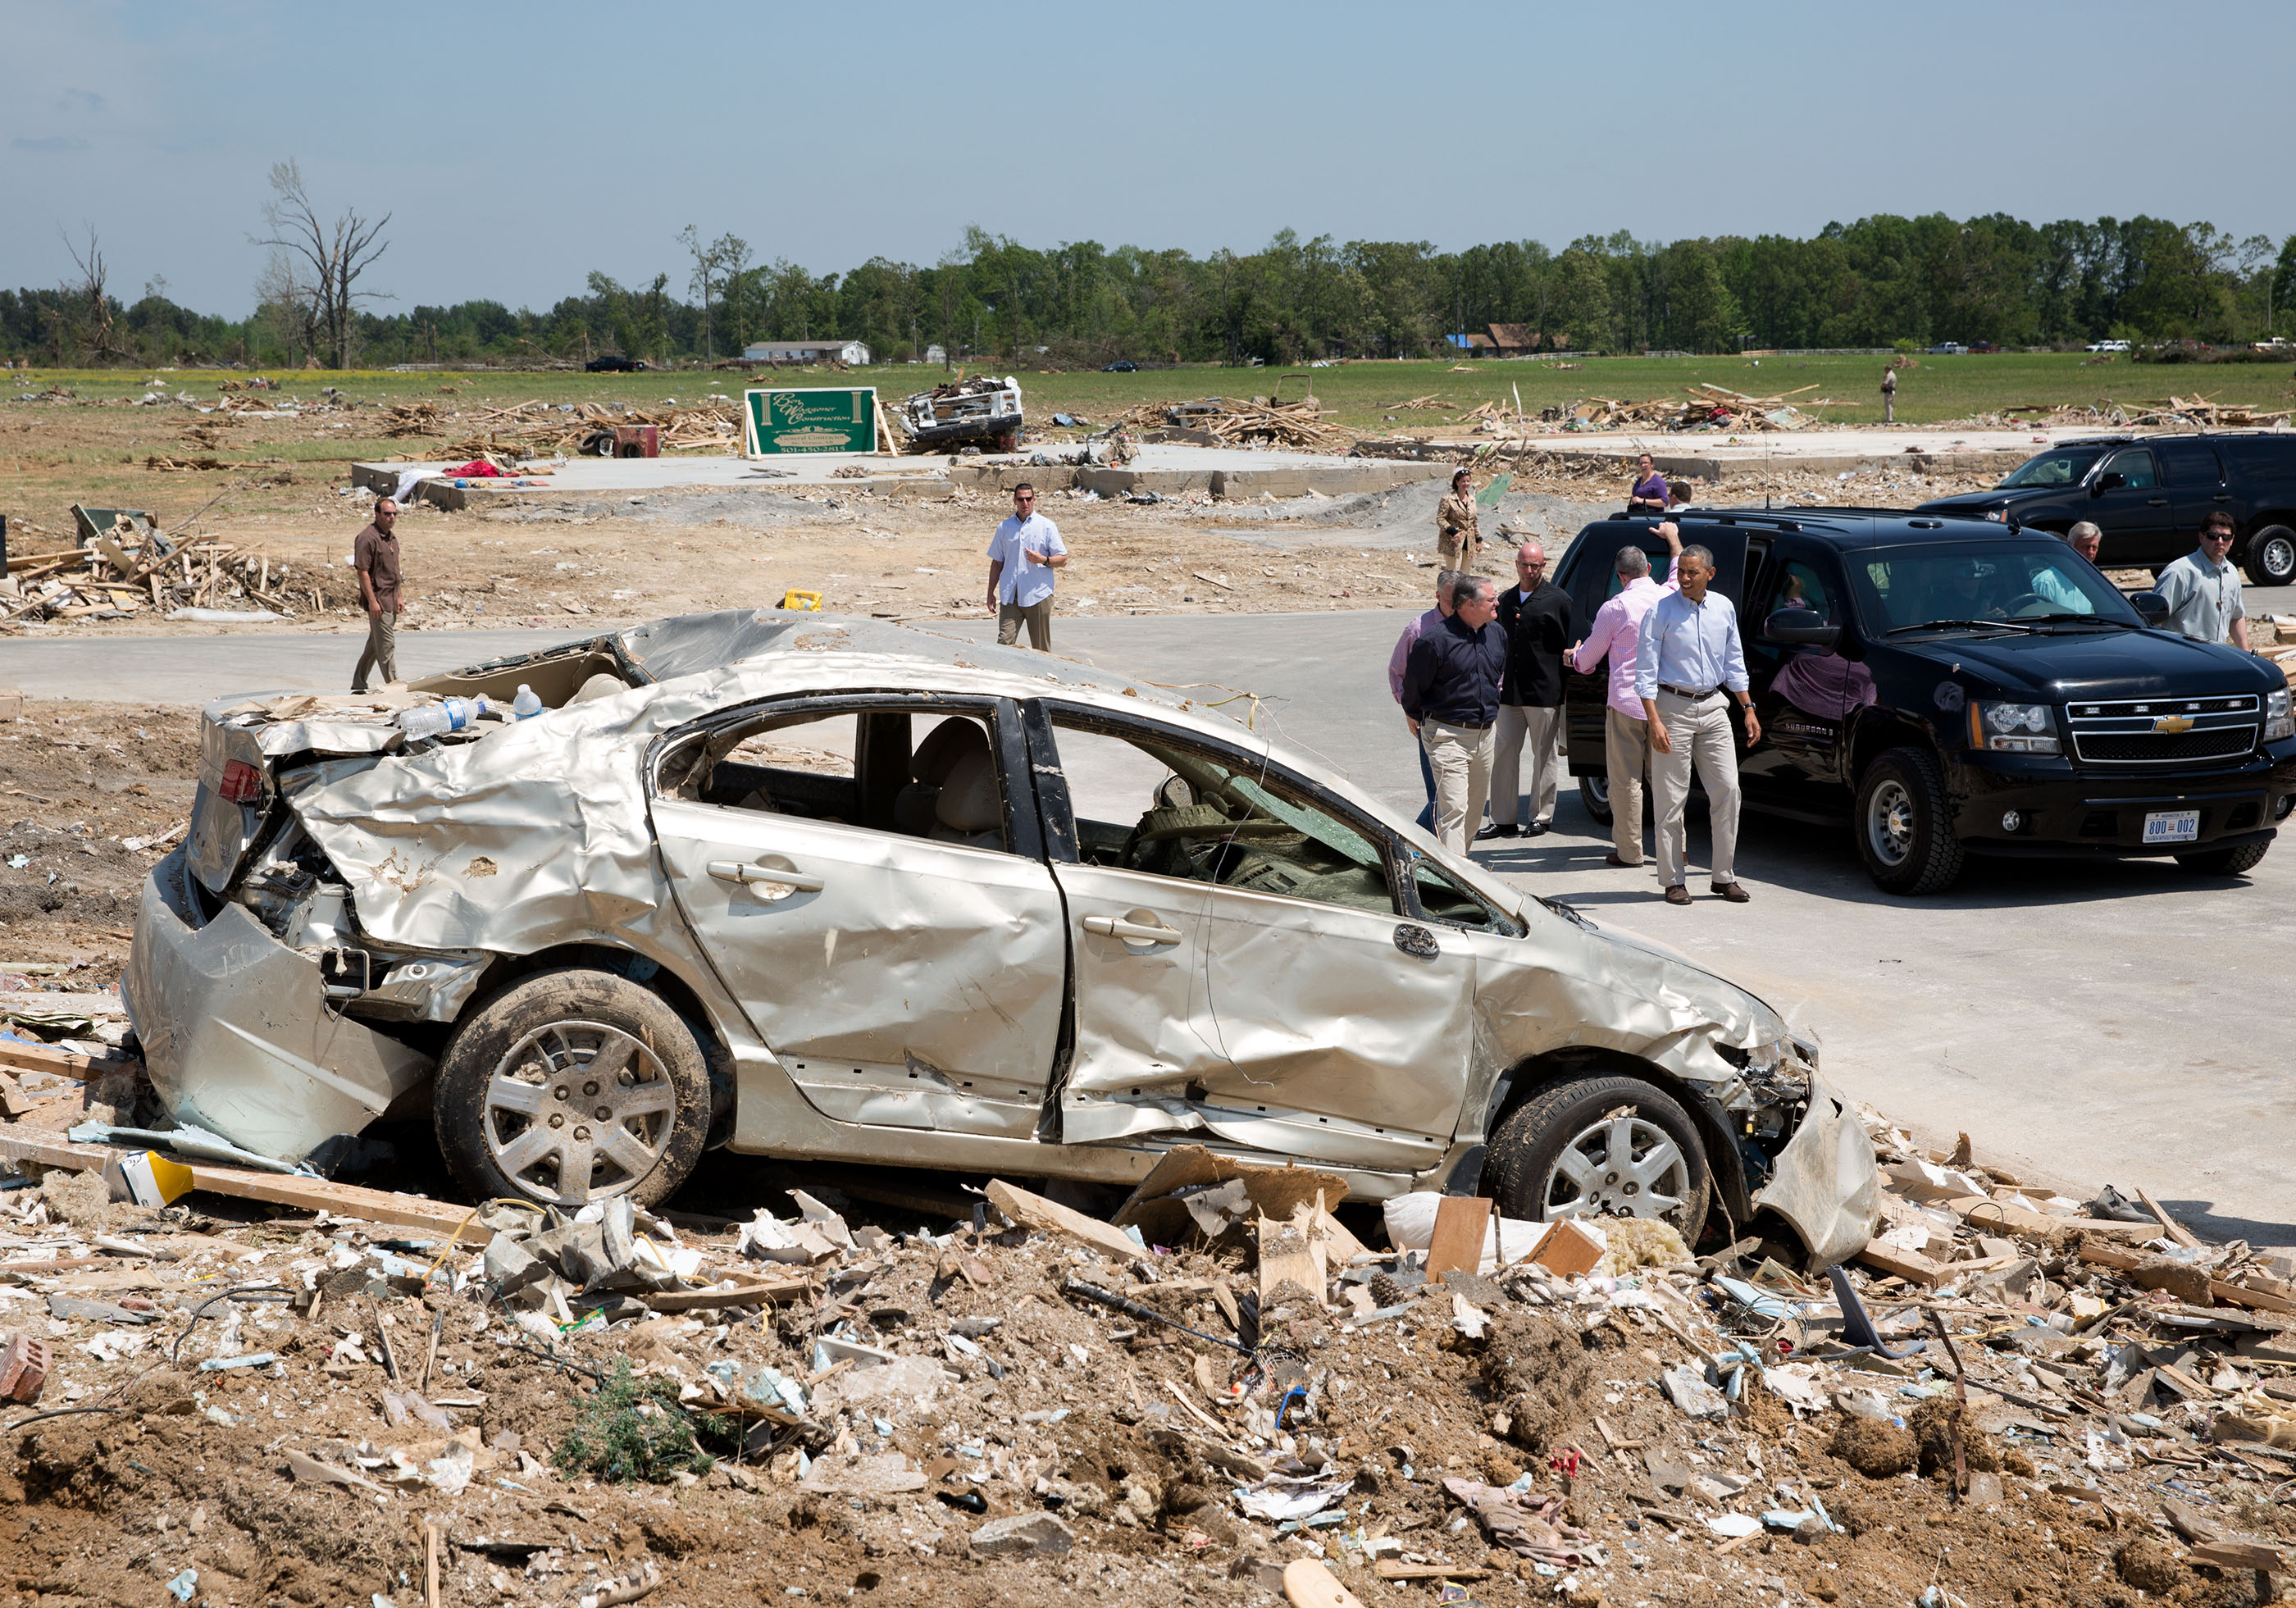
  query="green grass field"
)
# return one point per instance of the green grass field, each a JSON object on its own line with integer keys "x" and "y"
{"x": 1363, "y": 395}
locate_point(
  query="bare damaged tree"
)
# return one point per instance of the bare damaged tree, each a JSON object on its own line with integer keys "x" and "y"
{"x": 333, "y": 256}
{"x": 90, "y": 318}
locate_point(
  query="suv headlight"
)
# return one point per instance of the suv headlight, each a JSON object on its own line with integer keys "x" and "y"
{"x": 2278, "y": 723}
{"x": 1996, "y": 513}
{"x": 2012, "y": 728}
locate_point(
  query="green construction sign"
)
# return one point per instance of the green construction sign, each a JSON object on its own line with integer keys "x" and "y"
{"x": 783, "y": 421}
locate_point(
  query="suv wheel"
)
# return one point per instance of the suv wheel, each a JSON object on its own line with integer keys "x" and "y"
{"x": 572, "y": 1086}
{"x": 2225, "y": 862}
{"x": 1601, "y": 1147}
{"x": 1904, "y": 824}
{"x": 1595, "y": 794}
{"x": 2271, "y": 560}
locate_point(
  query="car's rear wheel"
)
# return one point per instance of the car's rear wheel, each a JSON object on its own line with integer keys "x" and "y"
{"x": 2271, "y": 560}
{"x": 1904, "y": 824}
{"x": 2225, "y": 862}
{"x": 1594, "y": 794}
{"x": 570, "y": 1086}
{"x": 1601, "y": 1147}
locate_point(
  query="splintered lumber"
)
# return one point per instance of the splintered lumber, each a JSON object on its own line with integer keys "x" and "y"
{"x": 281, "y": 1189}
{"x": 1035, "y": 1211}
{"x": 747, "y": 1295}
{"x": 63, "y": 1064}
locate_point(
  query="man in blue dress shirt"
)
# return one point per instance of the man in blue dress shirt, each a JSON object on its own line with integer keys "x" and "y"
{"x": 1689, "y": 655}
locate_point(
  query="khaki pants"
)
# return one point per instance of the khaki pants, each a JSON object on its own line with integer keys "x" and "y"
{"x": 1460, "y": 758}
{"x": 1626, "y": 754}
{"x": 382, "y": 651}
{"x": 1526, "y": 726}
{"x": 1449, "y": 548}
{"x": 1039, "y": 619}
{"x": 1701, "y": 736}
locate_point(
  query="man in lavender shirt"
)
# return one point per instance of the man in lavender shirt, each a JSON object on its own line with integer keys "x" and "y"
{"x": 1396, "y": 660}
{"x": 1626, "y": 734}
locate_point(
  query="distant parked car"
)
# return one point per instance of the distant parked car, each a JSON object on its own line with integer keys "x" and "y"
{"x": 614, "y": 363}
{"x": 1122, "y": 365}
{"x": 1947, "y": 348}
{"x": 2108, "y": 346}
{"x": 1984, "y": 346}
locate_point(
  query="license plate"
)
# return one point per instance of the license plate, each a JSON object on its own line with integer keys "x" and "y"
{"x": 2172, "y": 826}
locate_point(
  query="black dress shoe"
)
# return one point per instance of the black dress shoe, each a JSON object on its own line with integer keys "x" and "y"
{"x": 1497, "y": 831}
{"x": 1536, "y": 829}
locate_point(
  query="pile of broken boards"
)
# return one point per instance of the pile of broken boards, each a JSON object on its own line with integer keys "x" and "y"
{"x": 505, "y": 436}
{"x": 1250, "y": 421}
{"x": 1706, "y": 407}
{"x": 124, "y": 568}
{"x": 1216, "y": 1380}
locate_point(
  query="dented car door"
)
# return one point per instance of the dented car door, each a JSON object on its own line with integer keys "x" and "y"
{"x": 890, "y": 940}
{"x": 1241, "y": 964}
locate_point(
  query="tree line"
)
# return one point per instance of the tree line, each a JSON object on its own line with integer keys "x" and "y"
{"x": 1877, "y": 282}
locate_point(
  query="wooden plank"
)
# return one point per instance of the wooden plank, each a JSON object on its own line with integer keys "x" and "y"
{"x": 1395, "y": 1569}
{"x": 1288, "y": 1252}
{"x": 63, "y": 1064}
{"x": 2241, "y": 1554}
{"x": 281, "y": 1189}
{"x": 747, "y": 1295}
{"x": 2229, "y": 1294}
{"x": 1982, "y": 1212}
{"x": 2176, "y": 1231}
{"x": 1462, "y": 1224}
{"x": 1035, "y": 1211}
{"x": 1905, "y": 1264}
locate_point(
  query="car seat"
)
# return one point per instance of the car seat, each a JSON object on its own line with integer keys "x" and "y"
{"x": 914, "y": 807}
{"x": 970, "y": 807}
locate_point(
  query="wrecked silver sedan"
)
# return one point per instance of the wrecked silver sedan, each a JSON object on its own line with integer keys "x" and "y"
{"x": 839, "y": 889}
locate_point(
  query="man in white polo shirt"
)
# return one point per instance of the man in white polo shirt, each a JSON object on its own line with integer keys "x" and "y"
{"x": 1023, "y": 556}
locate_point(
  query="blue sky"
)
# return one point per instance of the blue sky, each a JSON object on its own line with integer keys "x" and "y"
{"x": 519, "y": 147}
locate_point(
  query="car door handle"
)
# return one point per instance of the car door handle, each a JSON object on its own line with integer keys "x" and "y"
{"x": 2156, "y": 502}
{"x": 781, "y": 876}
{"x": 1133, "y": 933}
{"x": 2222, "y": 496}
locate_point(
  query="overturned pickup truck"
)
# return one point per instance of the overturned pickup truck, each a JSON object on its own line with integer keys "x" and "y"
{"x": 841, "y": 889}
{"x": 982, "y": 411}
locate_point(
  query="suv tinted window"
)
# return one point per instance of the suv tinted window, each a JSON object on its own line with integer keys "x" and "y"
{"x": 2188, "y": 462}
{"x": 2135, "y": 462}
{"x": 2259, "y": 459}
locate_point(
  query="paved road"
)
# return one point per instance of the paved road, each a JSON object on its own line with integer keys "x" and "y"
{"x": 2088, "y": 1023}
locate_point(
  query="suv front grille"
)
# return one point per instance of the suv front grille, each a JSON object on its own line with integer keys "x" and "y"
{"x": 2165, "y": 731}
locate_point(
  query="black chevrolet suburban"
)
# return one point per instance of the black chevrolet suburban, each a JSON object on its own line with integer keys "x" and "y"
{"x": 1947, "y": 686}
{"x": 2149, "y": 494}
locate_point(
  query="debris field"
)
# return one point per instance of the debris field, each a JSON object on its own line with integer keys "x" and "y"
{"x": 988, "y": 1396}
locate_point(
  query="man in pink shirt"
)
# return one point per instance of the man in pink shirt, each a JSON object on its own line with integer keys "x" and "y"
{"x": 1396, "y": 660}
{"x": 1626, "y": 734}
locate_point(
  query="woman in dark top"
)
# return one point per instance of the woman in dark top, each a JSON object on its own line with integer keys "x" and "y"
{"x": 1650, "y": 495}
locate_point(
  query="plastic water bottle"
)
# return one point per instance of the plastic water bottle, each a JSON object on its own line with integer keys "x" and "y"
{"x": 526, "y": 706}
{"x": 461, "y": 711}
{"x": 429, "y": 720}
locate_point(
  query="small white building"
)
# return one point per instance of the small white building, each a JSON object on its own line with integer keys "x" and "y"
{"x": 936, "y": 354}
{"x": 854, "y": 352}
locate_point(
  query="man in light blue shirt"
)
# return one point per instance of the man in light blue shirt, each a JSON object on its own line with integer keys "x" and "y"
{"x": 1688, "y": 656}
{"x": 1023, "y": 556}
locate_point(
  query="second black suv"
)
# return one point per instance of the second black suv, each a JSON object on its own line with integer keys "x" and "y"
{"x": 1948, "y": 688}
{"x": 2149, "y": 494}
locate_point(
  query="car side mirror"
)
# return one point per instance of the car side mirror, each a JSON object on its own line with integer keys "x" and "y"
{"x": 2108, "y": 482}
{"x": 2152, "y": 605}
{"x": 1801, "y": 629}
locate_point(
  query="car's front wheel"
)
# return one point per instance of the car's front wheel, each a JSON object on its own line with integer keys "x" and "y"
{"x": 1595, "y": 794}
{"x": 2225, "y": 862}
{"x": 1601, "y": 1147}
{"x": 2271, "y": 560}
{"x": 1904, "y": 824}
{"x": 572, "y": 1086}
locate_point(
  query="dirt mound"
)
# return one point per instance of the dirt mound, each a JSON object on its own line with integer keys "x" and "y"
{"x": 1875, "y": 1449}
{"x": 2149, "y": 1565}
{"x": 1933, "y": 1426}
{"x": 1538, "y": 1377}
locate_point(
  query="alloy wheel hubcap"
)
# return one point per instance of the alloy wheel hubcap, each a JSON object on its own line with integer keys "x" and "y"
{"x": 578, "y": 1110}
{"x": 1890, "y": 824}
{"x": 1623, "y": 1166}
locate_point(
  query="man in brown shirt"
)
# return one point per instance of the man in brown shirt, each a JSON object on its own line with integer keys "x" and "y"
{"x": 1457, "y": 540}
{"x": 375, "y": 553}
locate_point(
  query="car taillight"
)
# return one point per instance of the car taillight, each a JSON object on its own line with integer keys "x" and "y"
{"x": 241, "y": 782}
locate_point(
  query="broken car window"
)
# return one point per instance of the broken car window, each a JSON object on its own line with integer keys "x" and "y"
{"x": 1174, "y": 809}
{"x": 924, "y": 775}
{"x": 1441, "y": 899}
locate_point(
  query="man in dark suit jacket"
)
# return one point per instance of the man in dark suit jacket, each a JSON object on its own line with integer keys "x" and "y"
{"x": 1541, "y": 624}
